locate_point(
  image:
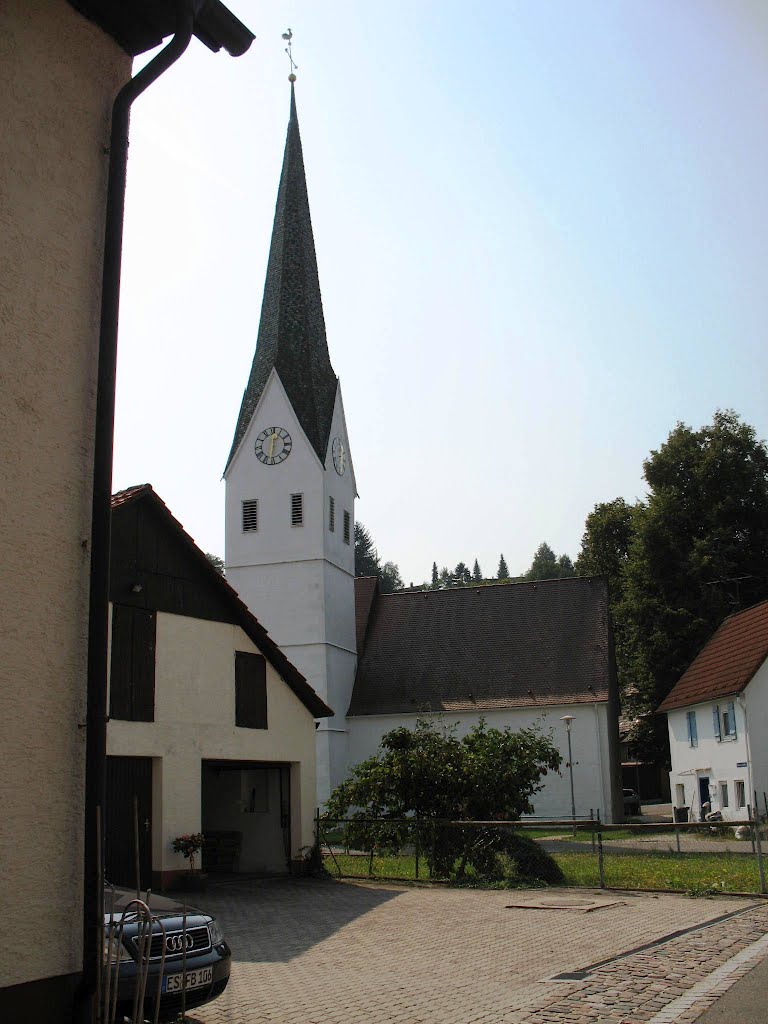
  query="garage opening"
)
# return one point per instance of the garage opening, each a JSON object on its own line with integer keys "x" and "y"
{"x": 246, "y": 817}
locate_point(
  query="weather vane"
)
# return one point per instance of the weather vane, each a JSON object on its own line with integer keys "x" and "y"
{"x": 288, "y": 36}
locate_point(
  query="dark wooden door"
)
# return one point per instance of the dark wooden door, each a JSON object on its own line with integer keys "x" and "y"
{"x": 129, "y": 784}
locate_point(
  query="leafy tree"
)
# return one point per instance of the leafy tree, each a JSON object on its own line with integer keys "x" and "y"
{"x": 428, "y": 773}
{"x": 216, "y": 561}
{"x": 366, "y": 556}
{"x": 605, "y": 546}
{"x": 704, "y": 527}
{"x": 503, "y": 571}
{"x": 477, "y": 576}
{"x": 434, "y": 576}
{"x": 368, "y": 563}
{"x": 445, "y": 578}
{"x": 390, "y": 578}
{"x": 547, "y": 566}
{"x": 461, "y": 575}
{"x": 544, "y": 565}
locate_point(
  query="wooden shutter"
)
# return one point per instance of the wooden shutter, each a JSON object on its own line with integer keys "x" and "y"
{"x": 132, "y": 667}
{"x": 250, "y": 691}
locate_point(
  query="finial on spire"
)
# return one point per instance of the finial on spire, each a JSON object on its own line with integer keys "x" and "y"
{"x": 288, "y": 36}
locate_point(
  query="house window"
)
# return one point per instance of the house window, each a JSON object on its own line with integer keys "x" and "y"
{"x": 680, "y": 795}
{"x": 347, "y": 524}
{"x": 250, "y": 691}
{"x": 132, "y": 664}
{"x": 297, "y": 510}
{"x": 331, "y": 514}
{"x": 693, "y": 737}
{"x": 729, "y": 720}
{"x": 723, "y": 794}
{"x": 740, "y": 793}
{"x": 716, "y": 722}
{"x": 250, "y": 515}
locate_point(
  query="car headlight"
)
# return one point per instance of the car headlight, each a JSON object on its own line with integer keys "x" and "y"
{"x": 111, "y": 953}
{"x": 217, "y": 935}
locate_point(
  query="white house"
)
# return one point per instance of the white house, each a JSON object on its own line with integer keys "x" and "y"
{"x": 515, "y": 654}
{"x": 717, "y": 716}
{"x": 211, "y": 728}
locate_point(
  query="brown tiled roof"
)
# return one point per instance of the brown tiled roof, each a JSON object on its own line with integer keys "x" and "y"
{"x": 366, "y": 589}
{"x": 239, "y": 611}
{"x": 727, "y": 662}
{"x": 479, "y": 648}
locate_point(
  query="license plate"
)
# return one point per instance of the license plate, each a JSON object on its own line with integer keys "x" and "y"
{"x": 194, "y": 979}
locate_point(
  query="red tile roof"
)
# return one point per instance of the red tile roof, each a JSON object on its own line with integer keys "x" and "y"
{"x": 727, "y": 662}
{"x": 479, "y": 648}
{"x": 240, "y": 612}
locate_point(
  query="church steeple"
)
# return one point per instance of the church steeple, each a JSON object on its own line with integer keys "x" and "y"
{"x": 291, "y": 336}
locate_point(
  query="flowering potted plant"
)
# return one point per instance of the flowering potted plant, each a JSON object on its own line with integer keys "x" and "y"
{"x": 189, "y": 845}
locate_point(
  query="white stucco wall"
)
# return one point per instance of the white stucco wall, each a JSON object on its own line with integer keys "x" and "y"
{"x": 195, "y": 721}
{"x": 725, "y": 760}
{"x": 58, "y": 76}
{"x": 589, "y": 739}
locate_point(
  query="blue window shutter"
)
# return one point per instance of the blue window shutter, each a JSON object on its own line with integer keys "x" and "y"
{"x": 716, "y": 722}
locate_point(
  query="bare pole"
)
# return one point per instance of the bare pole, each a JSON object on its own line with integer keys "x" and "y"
{"x": 136, "y": 844}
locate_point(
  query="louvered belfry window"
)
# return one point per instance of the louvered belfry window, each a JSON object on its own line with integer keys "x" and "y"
{"x": 250, "y": 515}
{"x": 297, "y": 510}
{"x": 331, "y": 514}
{"x": 347, "y": 522}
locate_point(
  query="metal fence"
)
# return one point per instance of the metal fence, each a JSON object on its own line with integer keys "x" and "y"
{"x": 695, "y": 857}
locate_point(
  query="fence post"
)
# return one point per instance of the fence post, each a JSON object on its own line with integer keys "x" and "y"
{"x": 418, "y": 832}
{"x": 592, "y": 827}
{"x": 600, "y": 857}
{"x": 432, "y": 863}
{"x": 677, "y": 839}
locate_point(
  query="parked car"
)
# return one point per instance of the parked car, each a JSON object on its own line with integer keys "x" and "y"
{"x": 195, "y": 949}
{"x": 631, "y": 802}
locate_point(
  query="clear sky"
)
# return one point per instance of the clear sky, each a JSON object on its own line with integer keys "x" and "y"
{"x": 542, "y": 234}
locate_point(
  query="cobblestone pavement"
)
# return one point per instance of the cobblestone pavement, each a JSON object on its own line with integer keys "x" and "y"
{"x": 322, "y": 952}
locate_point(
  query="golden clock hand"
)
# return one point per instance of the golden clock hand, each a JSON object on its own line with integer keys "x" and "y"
{"x": 272, "y": 446}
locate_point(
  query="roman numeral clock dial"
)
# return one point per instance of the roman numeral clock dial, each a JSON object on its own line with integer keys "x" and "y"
{"x": 339, "y": 456}
{"x": 273, "y": 446}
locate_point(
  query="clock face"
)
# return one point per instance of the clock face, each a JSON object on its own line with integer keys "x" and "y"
{"x": 339, "y": 456}
{"x": 273, "y": 446}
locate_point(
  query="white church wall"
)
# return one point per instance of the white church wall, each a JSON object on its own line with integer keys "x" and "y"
{"x": 195, "y": 721}
{"x": 755, "y": 709}
{"x": 589, "y": 738}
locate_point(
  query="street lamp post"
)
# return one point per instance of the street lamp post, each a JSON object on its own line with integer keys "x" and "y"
{"x": 568, "y": 719}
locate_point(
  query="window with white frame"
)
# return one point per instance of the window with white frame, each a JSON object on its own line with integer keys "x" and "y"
{"x": 723, "y": 794}
{"x": 297, "y": 510}
{"x": 693, "y": 736}
{"x": 250, "y": 515}
{"x": 740, "y": 793}
{"x": 716, "y": 723}
{"x": 680, "y": 794}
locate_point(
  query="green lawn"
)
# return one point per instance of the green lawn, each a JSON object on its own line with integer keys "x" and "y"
{"x": 689, "y": 872}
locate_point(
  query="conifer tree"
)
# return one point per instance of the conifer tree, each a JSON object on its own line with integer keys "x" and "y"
{"x": 503, "y": 573}
{"x": 477, "y": 576}
{"x": 435, "y": 577}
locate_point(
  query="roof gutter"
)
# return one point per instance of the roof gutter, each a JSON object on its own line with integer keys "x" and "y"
{"x": 96, "y": 699}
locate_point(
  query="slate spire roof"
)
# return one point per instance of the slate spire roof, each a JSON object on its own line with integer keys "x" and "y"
{"x": 291, "y": 334}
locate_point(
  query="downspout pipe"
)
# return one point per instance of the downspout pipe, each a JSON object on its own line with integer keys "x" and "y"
{"x": 98, "y": 624}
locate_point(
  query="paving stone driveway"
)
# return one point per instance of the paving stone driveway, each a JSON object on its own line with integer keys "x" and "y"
{"x": 323, "y": 952}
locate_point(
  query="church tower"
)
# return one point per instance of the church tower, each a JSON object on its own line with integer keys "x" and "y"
{"x": 290, "y": 483}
